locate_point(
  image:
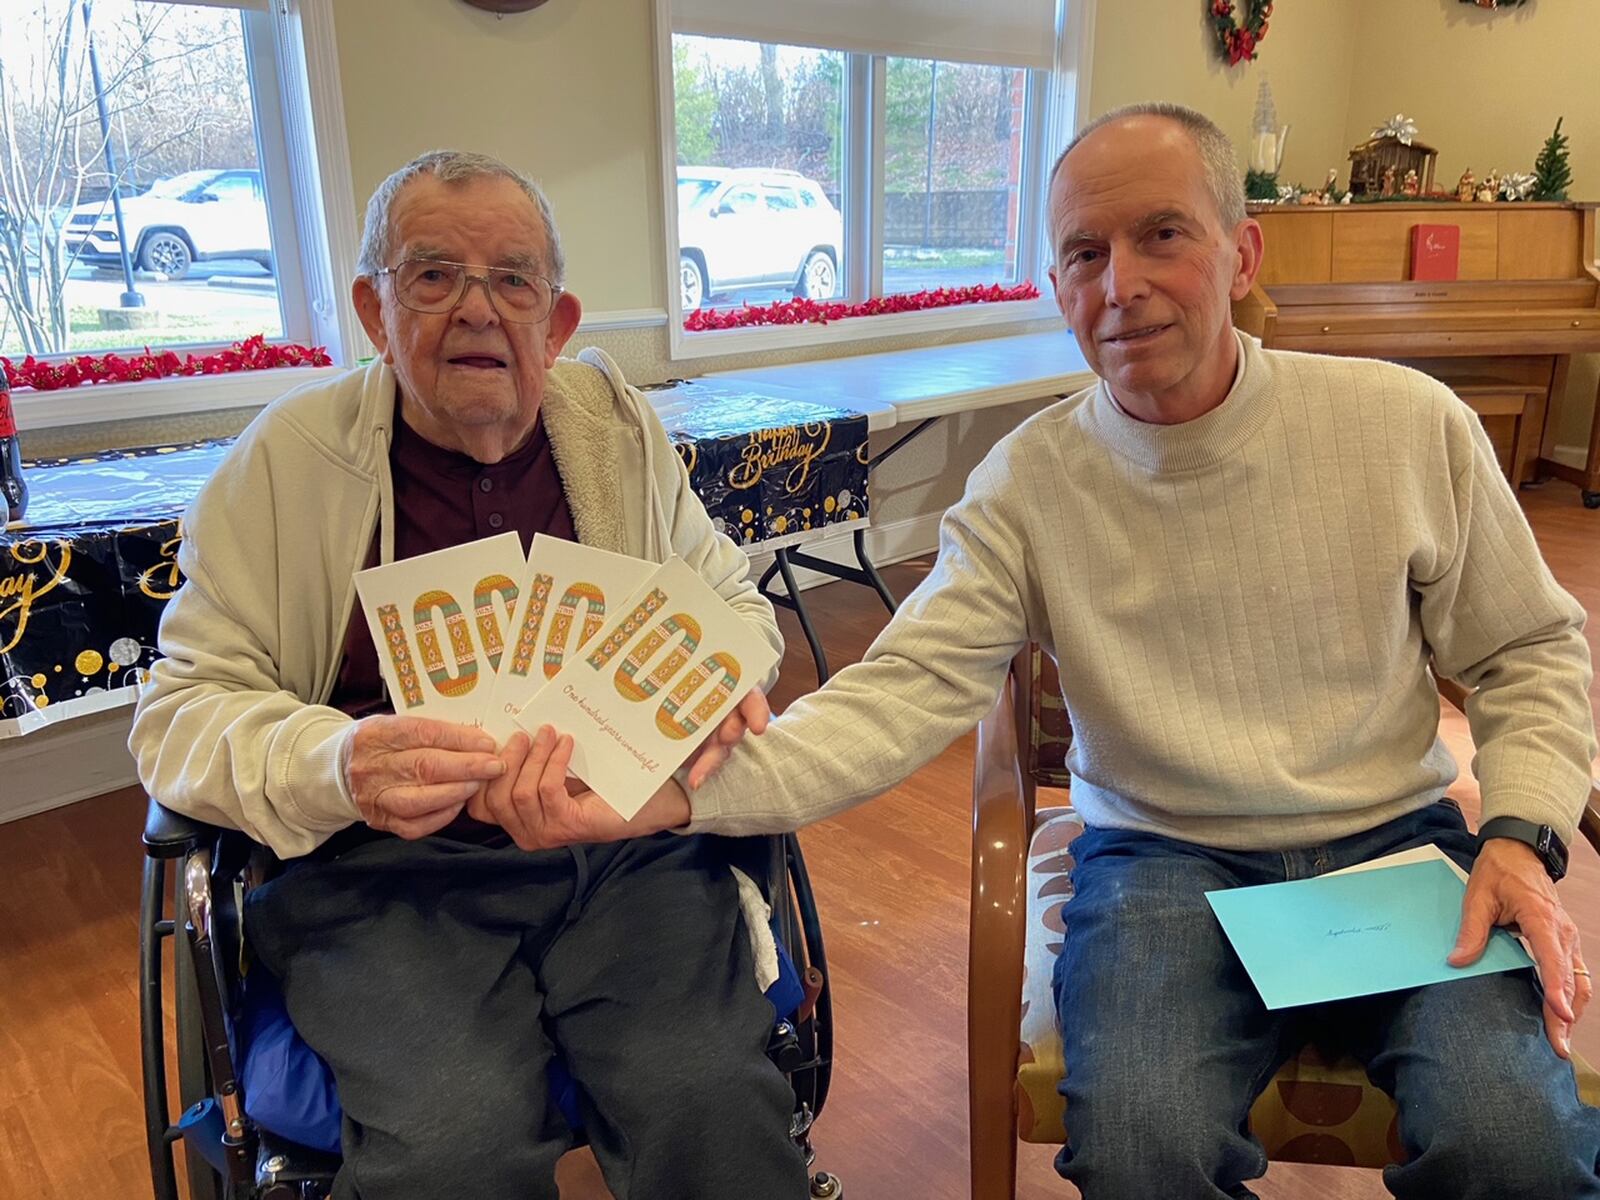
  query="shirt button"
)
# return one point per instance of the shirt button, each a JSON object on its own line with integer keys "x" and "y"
{"x": 486, "y": 484}
{"x": 496, "y": 520}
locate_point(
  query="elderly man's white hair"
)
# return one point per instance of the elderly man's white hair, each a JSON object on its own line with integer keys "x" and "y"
{"x": 451, "y": 166}
{"x": 1223, "y": 180}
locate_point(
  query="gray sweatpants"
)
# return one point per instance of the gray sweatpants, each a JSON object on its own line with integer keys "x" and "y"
{"x": 438, "y": 978}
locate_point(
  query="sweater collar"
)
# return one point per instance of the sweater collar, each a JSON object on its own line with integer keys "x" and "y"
{"x": 580, "y": 420}
{"x": 1193, "y": 445}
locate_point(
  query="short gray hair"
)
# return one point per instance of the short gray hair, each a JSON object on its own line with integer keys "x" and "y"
{"x": 450, "y": 166}
{"x": 1223, "y": 180}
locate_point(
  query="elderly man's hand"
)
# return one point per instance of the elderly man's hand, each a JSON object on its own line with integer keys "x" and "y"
{"x": 411, "y": 775}
{"x": 1509, "y": 886}
{"x": 541, "y": 809}
{"x": 752, "y": 714}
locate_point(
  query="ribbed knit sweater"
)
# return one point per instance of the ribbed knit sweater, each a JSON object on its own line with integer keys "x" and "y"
{"x": 1243, "y": 607}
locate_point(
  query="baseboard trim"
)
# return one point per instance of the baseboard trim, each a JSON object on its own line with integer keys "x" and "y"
{"x": 62, "y": 764}
{"x": 1573, "y": 456}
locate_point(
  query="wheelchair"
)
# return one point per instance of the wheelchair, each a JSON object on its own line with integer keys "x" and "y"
{"x": 226, "y": 1154}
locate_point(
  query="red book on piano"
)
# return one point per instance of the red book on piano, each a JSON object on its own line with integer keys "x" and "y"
{"x": 1435, "y": 251}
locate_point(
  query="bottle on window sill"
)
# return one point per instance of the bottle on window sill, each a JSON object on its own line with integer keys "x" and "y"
{"x": 12, "y": 485}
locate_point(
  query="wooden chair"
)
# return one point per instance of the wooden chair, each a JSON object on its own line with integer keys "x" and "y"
{"x": 1313, "y": 1111}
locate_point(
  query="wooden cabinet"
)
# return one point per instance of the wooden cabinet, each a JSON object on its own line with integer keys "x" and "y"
{"x": 1335, "y": 281}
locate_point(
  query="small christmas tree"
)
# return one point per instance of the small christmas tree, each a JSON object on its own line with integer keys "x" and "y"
{"x": 1552, "y": 173}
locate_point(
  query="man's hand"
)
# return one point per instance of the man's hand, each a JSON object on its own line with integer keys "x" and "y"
{"x": 1509, "y": 886}
{"x": 541, "y": 809}
{"x": 411, "y": 775}
{"x": 752, "y": 714}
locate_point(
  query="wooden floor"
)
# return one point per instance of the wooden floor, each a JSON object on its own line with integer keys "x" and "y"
{"x": 891, "y": 879}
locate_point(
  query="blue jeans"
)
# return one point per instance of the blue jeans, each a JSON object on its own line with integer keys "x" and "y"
{"x": 1167, "y": 1043}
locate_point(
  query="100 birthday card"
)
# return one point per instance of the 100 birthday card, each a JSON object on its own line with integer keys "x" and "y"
{"x": 567, "y": 592}
{"x": 639, "y": 662}
{"x": 662, "y": 674}
{"x": 439, "y": 620}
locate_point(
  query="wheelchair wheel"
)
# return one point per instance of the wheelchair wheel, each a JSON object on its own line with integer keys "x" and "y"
{"x": 804, "y": 926}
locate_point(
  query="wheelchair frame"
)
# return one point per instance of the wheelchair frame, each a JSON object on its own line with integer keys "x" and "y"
{"x": 226, "y": 1157}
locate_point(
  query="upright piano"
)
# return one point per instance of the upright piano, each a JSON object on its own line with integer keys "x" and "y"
{"x": 1336, "y": 280}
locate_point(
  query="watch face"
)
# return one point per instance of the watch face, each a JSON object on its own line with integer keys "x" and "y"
{"x": 1550, "y": 848}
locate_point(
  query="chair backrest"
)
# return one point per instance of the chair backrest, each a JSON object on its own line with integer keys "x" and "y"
{"x": 1048, "y": 736}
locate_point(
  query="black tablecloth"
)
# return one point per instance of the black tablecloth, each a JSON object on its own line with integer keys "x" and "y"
{"x": 767, "y": 464}
{"x": 83, "y": 583}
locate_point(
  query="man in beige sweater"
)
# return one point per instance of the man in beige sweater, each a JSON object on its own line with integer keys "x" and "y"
{"x": 1244, "y": 562}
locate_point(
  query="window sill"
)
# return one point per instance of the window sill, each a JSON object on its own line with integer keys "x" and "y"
{"x": 92, "y": 403}
{"x": 780, "y": 337}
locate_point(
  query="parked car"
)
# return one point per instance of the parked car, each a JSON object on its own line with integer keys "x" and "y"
{"x": 184, "y": 219}
{"x": 752, "y": 227}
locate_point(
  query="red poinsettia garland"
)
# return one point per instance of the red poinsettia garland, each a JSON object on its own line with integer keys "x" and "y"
{"x": 1235, "y": 39}
{"x": 804, "y": 312}
{"x": 253, "y": 354}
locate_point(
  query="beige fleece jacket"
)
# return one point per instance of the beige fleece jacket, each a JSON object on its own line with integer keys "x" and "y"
{"x": 233, "y": 727}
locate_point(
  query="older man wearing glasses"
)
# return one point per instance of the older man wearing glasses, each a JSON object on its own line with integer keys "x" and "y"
{"x": 434, "y": 962}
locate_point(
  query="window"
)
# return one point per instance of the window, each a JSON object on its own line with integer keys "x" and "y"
{"x": 952, "y": 173}
{"x": 754, "y": 115}
{"x": 163, "y": 205}
{"x": 884, "y": 172}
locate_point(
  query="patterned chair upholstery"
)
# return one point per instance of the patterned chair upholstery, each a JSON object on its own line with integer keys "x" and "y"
{"x": 1314, "y": 1111}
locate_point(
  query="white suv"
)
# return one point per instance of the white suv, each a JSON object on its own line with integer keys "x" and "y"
{"x": 189, "y": 217}
{"x": 753, "y": 227}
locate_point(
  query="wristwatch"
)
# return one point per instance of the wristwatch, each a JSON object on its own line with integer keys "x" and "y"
{"x": 1552, "y": 851}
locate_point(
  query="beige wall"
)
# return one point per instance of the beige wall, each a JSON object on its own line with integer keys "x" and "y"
{"x": 1485, "y": 89}
{"x": 1162, "y": 50}
{"x": 567, "y": 93}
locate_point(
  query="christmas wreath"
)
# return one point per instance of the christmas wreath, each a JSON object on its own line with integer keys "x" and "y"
{"x": 1238, "y": 37}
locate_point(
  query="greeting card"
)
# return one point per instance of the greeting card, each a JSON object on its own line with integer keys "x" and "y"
{"x": 439, "y": 622}
{"x": 569, "y": 590}
{"x": 665, "y": 670}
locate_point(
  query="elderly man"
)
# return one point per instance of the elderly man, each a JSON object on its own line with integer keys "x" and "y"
{"x": 1244, "y": 562}
{"x": 427, "y": 952}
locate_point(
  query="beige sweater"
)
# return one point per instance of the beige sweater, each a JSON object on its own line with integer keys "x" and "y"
{"x": 1243, "y": 608}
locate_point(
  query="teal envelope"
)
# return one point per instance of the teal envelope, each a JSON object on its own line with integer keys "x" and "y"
{"x": 1339, "y": 936}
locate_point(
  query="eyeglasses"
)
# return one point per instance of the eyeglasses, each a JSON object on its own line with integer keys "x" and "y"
{"x": 432, "y": 285}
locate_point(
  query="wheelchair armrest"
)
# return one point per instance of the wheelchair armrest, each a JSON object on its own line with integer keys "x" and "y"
{"x": 169, "y": 834}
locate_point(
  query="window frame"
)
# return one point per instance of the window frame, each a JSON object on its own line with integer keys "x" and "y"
{"x": 304, "y": 169}
{"x": 1052, "y": 100}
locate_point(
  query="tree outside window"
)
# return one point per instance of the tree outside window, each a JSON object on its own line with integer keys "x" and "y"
{"x": 172, "y": 130}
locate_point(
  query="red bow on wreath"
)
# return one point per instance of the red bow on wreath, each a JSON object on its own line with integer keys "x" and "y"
{"x": 1237, "y": 42}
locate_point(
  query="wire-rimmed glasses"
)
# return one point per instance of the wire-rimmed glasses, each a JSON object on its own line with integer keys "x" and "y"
{"x": 436, "y": 285}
